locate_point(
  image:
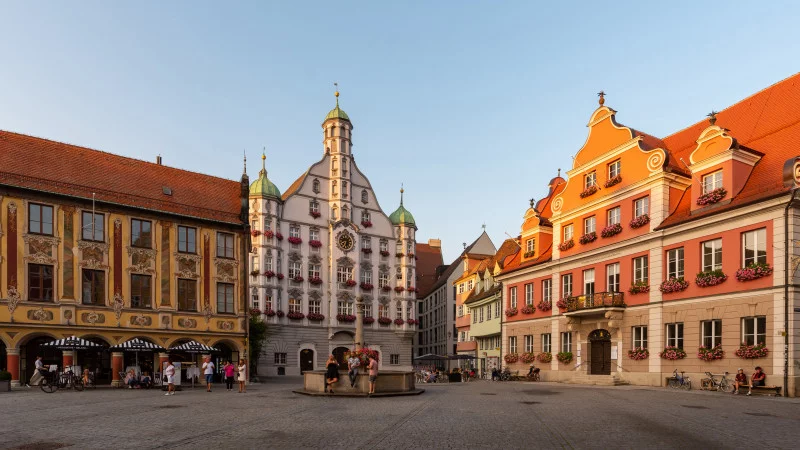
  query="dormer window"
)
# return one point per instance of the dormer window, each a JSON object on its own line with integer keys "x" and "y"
{"x": 590, "y": 180}
{"x": 614, "y": 169}
{"x": 529, "y": 245}
{"x": 712, "y": 181}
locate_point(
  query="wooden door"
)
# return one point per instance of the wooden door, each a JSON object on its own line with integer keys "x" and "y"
{"x": 600, "y": 355}
{"x": 338, "y": 353}
{"x": 306, "y": 360}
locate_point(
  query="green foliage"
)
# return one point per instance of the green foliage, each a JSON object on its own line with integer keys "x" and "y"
{"x": 5, "y": 376}
{"x": 258, "y": 332}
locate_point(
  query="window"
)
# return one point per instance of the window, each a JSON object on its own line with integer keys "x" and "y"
{"x": 141, "y": 292}
{"x": 40, "y": 219}
{"x": 530, "y": 244}
{"x": 366, "y": 242}
{"x": 590, "y": 180}
{"x": 547, "y": 290}
{"x": 40, "y": 279}
{"x": 470, "y": 285}
{"x": 295, "y": 305}
{"x": 474, "y": 317}
{"x": 384, "y": 245}
{"x": 512, "y": 296}
{"x": 614, "y": 216}
{"x": 187, "y": 239}
{"x": 460, "y": 310}
{"x": 294, "y": 231}
{"x": 267, "y": 303}
{"x": 295, "y": 269}
{"x": 612, "y": 275}
{"x": 92, "y": 227}
{"x": 566, "y": 342}
{"x": 383, "y": 279}
{"x": 394, "y": 358}
{"x": 364, "y": 196}
{"x": 267, "y": 225}
{"x": 480, "y": 314}
{"x": 488, "y": 312}
{"x": 675, "y": 263}
{"x": 546, "y": 343}
{"x": 315, "y": 187}
{"x": 93, "y": 287}
{"x": 568, "y": 232}
{"x": 367, "y": 309}
{"x": 675, "y": 335}
{"x": 383, "y": 311}
{"x": 529, "y": 294}
{"x": 224, "y": 245}
{"x": 344, "y": 308}
{"x": 712, "y": 333}
{"x": 268, "y": 263}
{"x": 334, "y": 212}
{"x": 497, "y": 308}
{"x": 641, "y": 206}
{"x": 225, "y": 298}
{"x": 141, "y": 233}
{"x": 187, "y": 295}
{"x": 640, "y": 270}
{"x": 614, "y": 169}
{"x": 334, "y": 192}
{"x": 588, "y": 282}
{"x": 398, "y": 310}
{"x": 712, "y": 255}
{"x": 343, "y": 274}
{"x": 512, "y": 344}
{"x": 409, "y": 277}
{"x": 365, "y": 216}
{"x": 255, "y": 304}
{"x": 313, "y": 206}
{"x": 589, "y": 225}
{"x": 640, "y": 337}
{"x": 280, "y": 358}
{"x": 366, "y": 276}
{"x": 712, "y": 181}
{"x": 314, "y": 270}
{"x": 528, "y": 343}
{"x": 754, "y": 330}
{"x": 566, "y": 285}
{"x": 754, "y": 247}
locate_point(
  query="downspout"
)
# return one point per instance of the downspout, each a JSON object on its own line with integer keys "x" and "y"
{"x": 786, "y": 293}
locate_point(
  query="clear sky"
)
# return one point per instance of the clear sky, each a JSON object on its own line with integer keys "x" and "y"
{"x": 473, "y": 105}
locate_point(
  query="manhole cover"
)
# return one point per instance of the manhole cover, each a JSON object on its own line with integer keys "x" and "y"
{"x": 488, "y": 393}
{"x": 695, "y": 406}
{"x": 41, "y": 446}
{"x": 758, "y": 414}
{"x": 530, "y": 403}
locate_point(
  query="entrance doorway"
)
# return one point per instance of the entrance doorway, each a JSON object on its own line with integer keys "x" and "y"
{"x": 306, "y": 360}
{"x": 338, "y": 353}
{"x": 600, "y": 352}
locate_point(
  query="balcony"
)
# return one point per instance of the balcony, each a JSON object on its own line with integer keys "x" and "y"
{"x": 598, "y": 302}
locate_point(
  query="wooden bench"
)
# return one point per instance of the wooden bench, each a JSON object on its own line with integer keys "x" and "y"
{"x": 772, "y": 391}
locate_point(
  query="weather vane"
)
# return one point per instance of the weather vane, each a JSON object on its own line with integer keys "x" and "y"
{"x": 712, "y": 117}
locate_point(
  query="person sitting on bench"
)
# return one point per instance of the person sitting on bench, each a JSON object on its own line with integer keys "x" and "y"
{"x": 739, "y": 381}
{"x": 758, "y": 379}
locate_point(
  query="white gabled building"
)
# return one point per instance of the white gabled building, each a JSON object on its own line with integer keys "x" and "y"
{"x": 319, "y": 246}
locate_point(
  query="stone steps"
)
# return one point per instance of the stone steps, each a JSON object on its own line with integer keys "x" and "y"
{"x": 596, "y": 380}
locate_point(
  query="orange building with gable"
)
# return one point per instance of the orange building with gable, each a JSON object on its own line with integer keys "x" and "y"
{"x": 650, "y": 245}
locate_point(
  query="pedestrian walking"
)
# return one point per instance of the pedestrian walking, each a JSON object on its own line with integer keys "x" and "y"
{"x": 242, "y": 376}
{"x": 230, "y": 371}
{"x": 169, "y": 374}
{"x": 332, "y": 374}
{"x": 373, "y": 374}
{"x": 38, "y": 373}
{"x": 353, "y": 362}
{"x": 208, "y": 371}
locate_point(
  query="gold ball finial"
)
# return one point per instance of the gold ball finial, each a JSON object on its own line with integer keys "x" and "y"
{"x": 263, "y": 157}
{"x": 336, "y": 94}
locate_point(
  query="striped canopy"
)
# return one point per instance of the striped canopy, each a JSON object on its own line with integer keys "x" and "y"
{"x": 193, "y": 347}
{"x": 71, "y": 343}
{"x": 137, "y": 345}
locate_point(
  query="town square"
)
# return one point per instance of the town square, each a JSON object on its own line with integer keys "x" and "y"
{"x": 370, "y": 225}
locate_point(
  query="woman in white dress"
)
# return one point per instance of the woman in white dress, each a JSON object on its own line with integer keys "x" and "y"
{"x": 242, "y": 376}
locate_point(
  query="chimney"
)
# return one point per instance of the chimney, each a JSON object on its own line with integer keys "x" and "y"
{"x": 435, "y": 243}
{"x": 158, "y": 160}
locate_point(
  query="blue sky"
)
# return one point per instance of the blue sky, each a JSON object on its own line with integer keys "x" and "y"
{"x": 472, "y": 105}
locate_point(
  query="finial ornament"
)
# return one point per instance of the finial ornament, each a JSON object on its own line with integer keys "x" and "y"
{"x": 484, "y": 226}
{"x": 712, "y": 117}
{"x": 264, "y": 160}
{"x": 533, "y": 202}
{"x": 336, "y": 85}
{"x": 244, "y": 152}
{"x": 401, "y": 194}
{"x": 602, "y": 96}
{"x": 559, "y": 171}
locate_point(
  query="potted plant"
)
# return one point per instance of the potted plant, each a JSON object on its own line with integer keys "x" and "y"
{"x": 399, "y": 289}
{"x": 269, "y": 274}
{"x": 279, "y": 276}
{"x": 545, "y": 305}
{"x": 709, "y": 198}
{"x": 270, "y": 313}
{"x": 710, "y": 278}
{"x": 529, "y": 254}
{"x": 564, "y": 246}
{"x": 298, "y": 279}
{"x": 295, "y": 240}
{"x": 254, "y": 273}
{"x": 564, "y": 357}
{"x": 562, "y": 303}
{"x": 511, "y": 358}
{"x": 710, "y": 354}
{"x": 280, "y": 313}
{"x": 315, "y": 244}
{"x": 350, "y": 283}
{"x": 384, "y": 320}
{"x": 315, "y": 280}
{"x": 314, "y": 214}
{"x": 639, "y": 287}
{"x": 278, "y": 236}
{"x": 366, "y": 223}
{"x": 673, "y": 285}
{"x": 528, "y": 309}
{"x": 384, "y": 252}
{"x": 752, "y": 351}
{"x": 399, "y": 255}
{"x": 589, "y": 191}
{"x": 544, "y": 357}
{"x": 255, "y": 312}
{"x": 753, "y": 271}
{"x": 386, "y": 288}
{"x": 611, "y": 230}
{"x": 366, "y": 251}
{"x": 638, "y": 354}
{"x": 5, "y": 381}
{"x": 345, "y": 318}
{"x": 255, "y": 233}
{"x": 612, "y": 181}
{"x": 672, "y": 353}
{"x": 399, "y": 321}
{"x": 369, "y": 320}
{"x": 510, "y": 312}
{"x": 640, "y": 221}
{"x": 316, "y": 317}
{"x": 269, "y": 234}
{"x": 366, "y": 286}
{"x": 412, "y": 321}
{"x": 588, "y": 238}
{"x": 528, "y": 357}
{"x": 296, "y": 316}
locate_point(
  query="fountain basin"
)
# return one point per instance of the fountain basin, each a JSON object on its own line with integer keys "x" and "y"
{"x": 389, "y": 383}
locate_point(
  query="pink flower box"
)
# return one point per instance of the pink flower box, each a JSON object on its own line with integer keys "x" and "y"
{"x": 638, "y": 354}
{"x": 367, "y": 286}
{"x": 588, "y": 238}
{"x": 712, "y": 197}
{"x": 710, "y": 278}
{"x": 640, "y": 221}
{"x": 564, "y": 246}
{"x": 753, "y": 272}
{"x": 296, "y": 316}
{"x": 710, "y": 354}
{"x": 399, "y": 321}
{"x": 673, "y": 285}
{"x": 510, "y": 312}
{"x": 366, "y": 223}
{"x": 295, "y": 240}
{"x": 528, "y": 309}
{"x": 752, "y": 351}
{"x": 345, "y": 318}
{"x": 672, "y": 353}
{"x": 611, "y": 230}
{"x": 315, "y": 280}
{"x": 612, "y": 181}
{"x": 588, "y": 191}
{"x": 315, "y": 214}
{"x": 316, "y": 316}
{"x": 545, "y": 305}
{"x": 315, "y": 244}
{"x": 384, "y": 320}
{"x": 511, "y": 358}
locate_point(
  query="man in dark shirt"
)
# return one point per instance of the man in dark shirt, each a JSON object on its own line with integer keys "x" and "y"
{"x": 739, "y": 381}
{"x": 758, "y": 379}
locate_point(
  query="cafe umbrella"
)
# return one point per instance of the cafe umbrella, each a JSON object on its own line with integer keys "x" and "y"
{"x": 193, "y": 347}
{"x": 138, "y": 345}
{"x": 72, "y": 343}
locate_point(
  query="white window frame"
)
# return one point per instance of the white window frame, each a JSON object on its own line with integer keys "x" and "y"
{"x": 569, "y": 232}
{"x": 614, "y": 169}
{"x": 712, "y": 181}
{"x": 641, "y": 206}
{"x": 713, "y": 335}
{"x": 512, "y": 296}
{"x": 588, "y": 282}
{"x": 674, "y": 335}
{"x": 612, "y": 277}
{"x": 528, "y": 343}
{"x": 530, "y": 244}
{"x": 546, "y": 343}
{"x": 294, "y": 231}
{"x": 566, "y": 285}
{"x": 759, "y": 334}
{"x": 295, "y": 269}
{"x": 295, "y": 305}
{"x": 589, "y": 225}
{"x": 614, "y": 216}
{"x": 512, "y": 344}
{"x": 498, "y": 308}
{"x": 314, "y": 307}
{"x": 712, "y": 248}
{"x": 640, "y": 269}
{"x": 639, "y": 336}
{"x": 566, "y": 341}
{"x": 547, "y": 289}
{"x": 675, "y": 257}
{"x": 759, "y": 239}
{"x": 529, "y": 293}
{"x": 590, "y": 179}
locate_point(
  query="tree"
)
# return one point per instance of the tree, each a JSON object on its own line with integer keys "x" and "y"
{"x": 258, "y": 332}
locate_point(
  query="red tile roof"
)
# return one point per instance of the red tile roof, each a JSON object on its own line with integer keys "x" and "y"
{"x": 428, "y": 260}
{"x": 29, "y": 162}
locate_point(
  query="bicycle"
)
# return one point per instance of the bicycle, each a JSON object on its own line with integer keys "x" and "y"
{"x": 69, "y": 380}
{"x": 49, "y": 382}
{"x": 680, "y": 382}
{"x": 533, "y": 374}
{"x": 721, "y": 385}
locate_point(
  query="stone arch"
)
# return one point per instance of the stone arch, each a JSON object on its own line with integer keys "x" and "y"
{"x": 307, "y": 346}
{"x": 599, "y": 335}
{"x": 233, "y": 345}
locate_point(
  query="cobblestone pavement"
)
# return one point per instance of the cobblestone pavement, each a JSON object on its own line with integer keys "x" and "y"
{"x": 465, "y": 415}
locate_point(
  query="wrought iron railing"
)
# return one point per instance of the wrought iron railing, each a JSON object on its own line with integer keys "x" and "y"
{"x": 596, "y": 300}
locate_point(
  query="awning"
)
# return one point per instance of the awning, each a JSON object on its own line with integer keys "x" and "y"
{"x": 137, "y": 345}
{"x": 430, "y": 357}
{"x": 71, "y": 343}
{"x": 193, "y": 347}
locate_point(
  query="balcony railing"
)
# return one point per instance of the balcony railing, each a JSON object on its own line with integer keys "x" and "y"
{"x": 596, "y": 300}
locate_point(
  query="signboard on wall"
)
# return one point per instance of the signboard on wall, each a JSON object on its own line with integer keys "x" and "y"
{"x": 614, "y": 352}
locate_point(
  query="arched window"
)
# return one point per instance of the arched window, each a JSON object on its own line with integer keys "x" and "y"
{"x": 334, "y": 212}
{"x": 316, "y": 186}
{"x": 333, "y": 188}
{"x": 344, "y": 189}
{"x": 345, "y": 212}
{"x": 364, "y": 196}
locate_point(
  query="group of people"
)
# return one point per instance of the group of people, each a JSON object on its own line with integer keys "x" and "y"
{"x": 230, "y": 371}
{"x": 757, "y": 379}
{"x": 132, "y": 381}
{"x": 353, "y": 364}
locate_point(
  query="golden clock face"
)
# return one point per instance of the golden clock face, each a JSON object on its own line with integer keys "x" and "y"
{"x": 346, "y": 242}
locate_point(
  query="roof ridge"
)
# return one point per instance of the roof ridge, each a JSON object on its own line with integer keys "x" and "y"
{"x": 117, "y": 155}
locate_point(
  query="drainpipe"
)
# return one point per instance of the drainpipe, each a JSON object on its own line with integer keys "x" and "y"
{"x": 786, "y": 293}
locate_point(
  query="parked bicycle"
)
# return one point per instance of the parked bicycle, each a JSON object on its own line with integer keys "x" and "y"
{"x": 49, "y": 382}
{"x": 680, "y": 381}
{"x": 719, "y": 382}
{"x": 69, "y": 380}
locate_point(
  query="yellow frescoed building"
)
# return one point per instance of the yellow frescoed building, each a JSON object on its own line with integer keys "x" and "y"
{"x": 109, "y": 248}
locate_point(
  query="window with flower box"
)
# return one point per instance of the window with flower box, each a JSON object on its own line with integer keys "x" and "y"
{"x": 280, "y": 358}
{"x": 398, "y": 310}
{"x": 267, "y": 225}
{"x": 366, "y": 242}
{"x": 255, "y": 304}
{"x": 383, "y": 279}
{"x": 547, "y": 290}
{"x": 711, "y": 333}
{"x": 367, "y": 309}
{"x": 612, "y": 276}
{"x": 566, "y": 341}
{"x": 639, "y": 337}
{"x": 675, "y": 335}
{"x": 590, "y": 179}
{"x": 546, "y": 343}
{"x": 568, "y": 232}
{"x": 712, "y": 181}
{"x": 512, "y": 344}
{"x": 754, "y": 330}
{"x": 383, "y": 310}
{"x": 614, "y": 169}
{"x": 313, "y": 234}
{"x": 675, "y": 263}
{"x": 384, "y": 245}
{"x": 409, "y": 277}
{"x": 294, "y": 231}
{"x": 314, "y": 270}
{"x": 641, "y": 206}
{"x": 344, "y": 274}
{"x": 640, "y": 274}
{"x": 295, "y": 269}
{"x": 366, "y": 276}
{"x": 530, "y": 245}
{"x": 268, "y": 263}
{"x": 313, "y": 206}
{"x": 295, "y": 305}
{"x": 267, "y": 303}
{"x": 754, "y": 247}
{"x": 566, "y": 285}
{"x": 712, "y": 255}
{"x": 614, "y": 216}
{"x": 589, "y": 225}
{"x": 314, "y": 307}
{"x": 365, "y": 216}
{"x": 528, "y": 343}
{"x": 529, "y": 294}
{"x": 344, "y": 308}
{"x": 512, "y": 296}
